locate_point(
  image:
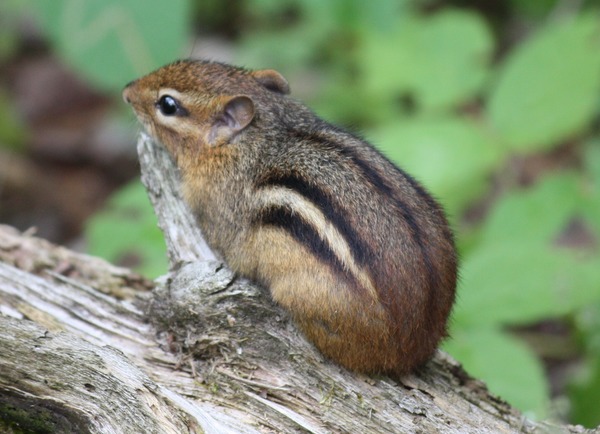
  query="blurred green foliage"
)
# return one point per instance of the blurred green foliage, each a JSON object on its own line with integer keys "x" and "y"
{"x": 455, "y": 98}
{"x": 112, "y": 42}
{"x": 12, "y": 133}
{"x": 548, "y": 88}
{"x": 126, "y": 232}
{"x": 9, "y": 12}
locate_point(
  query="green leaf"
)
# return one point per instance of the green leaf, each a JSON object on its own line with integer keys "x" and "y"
{"x": 523, "y": 282}
{"x": 455, "y": 48}
{"x": 592, "y": 160}
{"x": 536, "y": 214}
{"x": 591, "y": 206}
{"x": 585, "y": 395}
{"x": 548, "y": 87}
{"x": 518, "y": 273}
{"x": 115, "y": 41}
{"x": 441, "y": 59}
{"x": 452, "y": 157}
{"x": 126, "y": 232}
{"x": 507, "y": 365}
{"x": 587, "y": 323}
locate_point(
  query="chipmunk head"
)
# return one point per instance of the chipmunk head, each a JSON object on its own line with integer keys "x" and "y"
{"x": 189, "y": 105}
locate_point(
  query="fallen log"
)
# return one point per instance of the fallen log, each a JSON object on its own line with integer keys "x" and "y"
{"x": 89, "y": 347}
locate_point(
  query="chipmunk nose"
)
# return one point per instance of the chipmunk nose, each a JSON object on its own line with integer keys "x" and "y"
{"x": 126, "y": 93}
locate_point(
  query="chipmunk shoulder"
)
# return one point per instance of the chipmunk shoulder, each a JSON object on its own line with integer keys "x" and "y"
{"x": 358, "y": 251}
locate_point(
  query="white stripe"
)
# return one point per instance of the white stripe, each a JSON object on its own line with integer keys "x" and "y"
{"x": 281, "y": 196}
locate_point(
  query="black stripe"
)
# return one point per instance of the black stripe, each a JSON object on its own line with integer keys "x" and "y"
{"x": 305, "y": 234}
{"x": 432, "y": 277}
{"x": 361, "y": 251}
{"x": 381, "y": 184}
{"x": 372, "y": 175}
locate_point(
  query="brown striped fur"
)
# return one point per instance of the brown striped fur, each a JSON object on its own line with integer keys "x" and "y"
{"x": 356, "y": 250}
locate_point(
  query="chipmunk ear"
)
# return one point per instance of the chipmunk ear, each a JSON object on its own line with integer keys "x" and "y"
{"x": 237, "y": 113}
{"x": 272, "y": 80}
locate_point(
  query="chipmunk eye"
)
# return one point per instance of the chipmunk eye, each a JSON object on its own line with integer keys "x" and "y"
{"x": 169, "y": 106}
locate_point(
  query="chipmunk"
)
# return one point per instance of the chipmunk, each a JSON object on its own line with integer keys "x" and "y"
{"x": 353, "y": 247}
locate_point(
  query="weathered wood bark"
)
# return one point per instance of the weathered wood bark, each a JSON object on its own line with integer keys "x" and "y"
{"x": 85, "y": 347}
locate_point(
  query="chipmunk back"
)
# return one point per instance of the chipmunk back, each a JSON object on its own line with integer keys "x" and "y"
{"x": 357, "y": 250}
